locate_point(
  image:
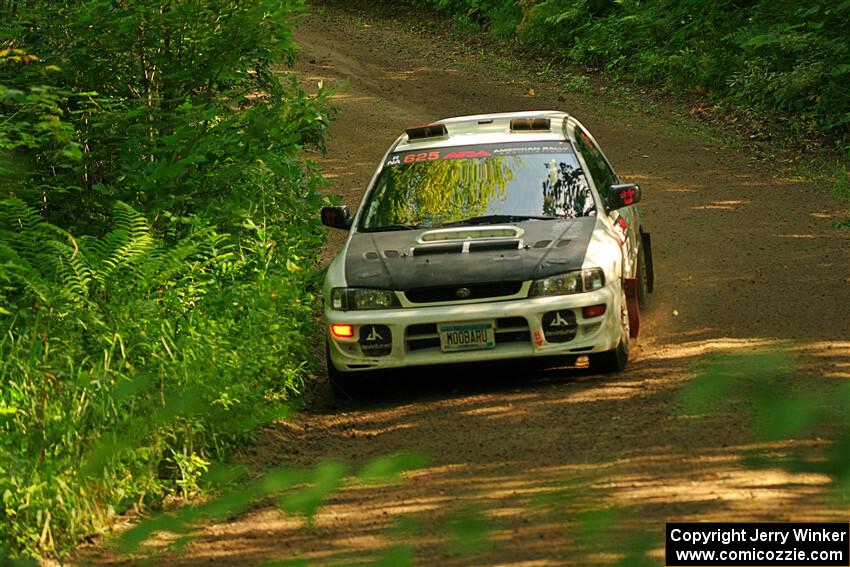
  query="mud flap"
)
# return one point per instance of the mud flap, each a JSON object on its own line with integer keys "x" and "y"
{"x": 646, "y": 244}
{"x": 634, "y": 309}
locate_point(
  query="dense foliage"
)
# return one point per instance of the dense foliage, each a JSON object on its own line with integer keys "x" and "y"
{"x": 789, "y": 58}
{"x": 156, "y": 234}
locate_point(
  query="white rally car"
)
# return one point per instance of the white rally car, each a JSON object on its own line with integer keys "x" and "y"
{"x": 497, "y": 236}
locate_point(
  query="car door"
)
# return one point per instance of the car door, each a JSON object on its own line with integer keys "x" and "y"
{"x": 625, "y": 221}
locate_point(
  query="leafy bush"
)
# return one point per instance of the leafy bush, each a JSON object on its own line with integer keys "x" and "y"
{"x": 501, "y": 17}
{"x": 142, "y": 359}
{"x": 157, "y": 234}
{"x": 783, "y": 57}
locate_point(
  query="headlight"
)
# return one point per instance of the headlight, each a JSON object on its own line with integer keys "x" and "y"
{"x": 354, "y": 298}
{"x": 571, "y": 282}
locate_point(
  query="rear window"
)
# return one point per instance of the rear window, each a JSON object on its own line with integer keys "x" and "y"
{"x": 433, "y": 188}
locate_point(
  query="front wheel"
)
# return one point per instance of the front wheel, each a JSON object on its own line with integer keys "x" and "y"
{"x": 341, "y": 383}
{"x": 610, "y": 361}
{"x": 614, "y": 360}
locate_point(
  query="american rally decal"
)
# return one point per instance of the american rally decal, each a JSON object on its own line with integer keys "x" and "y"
{"x": 473, "y": 152}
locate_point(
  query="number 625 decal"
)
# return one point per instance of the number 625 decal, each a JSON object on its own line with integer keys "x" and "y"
{"x": 421, "y": 156}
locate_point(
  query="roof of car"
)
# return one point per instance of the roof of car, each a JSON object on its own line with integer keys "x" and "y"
{"x": 488, "y": 129}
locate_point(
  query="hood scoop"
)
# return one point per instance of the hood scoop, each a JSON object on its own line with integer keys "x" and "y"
{"x": 461, "y": 233}
{"x": 466, "y": 239}
{"x": 466, "y": 247}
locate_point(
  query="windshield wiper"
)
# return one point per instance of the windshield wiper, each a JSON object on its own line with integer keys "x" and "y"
{"x": 389, "y": 227}
{"x": 490, "y": 219}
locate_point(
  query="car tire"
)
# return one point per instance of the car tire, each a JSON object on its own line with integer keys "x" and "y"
{"x": 615, "y": 359}
{"x": 342, "y": 385}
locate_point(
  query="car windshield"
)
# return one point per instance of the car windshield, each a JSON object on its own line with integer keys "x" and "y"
{"x": 477, "y": 185}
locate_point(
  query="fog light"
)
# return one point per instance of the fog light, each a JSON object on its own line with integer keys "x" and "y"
{"x": 593, "y": 311}
{"x": 342, "y": 331}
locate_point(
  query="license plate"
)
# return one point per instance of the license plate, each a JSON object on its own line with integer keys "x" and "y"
{"x": 467, "y": 336}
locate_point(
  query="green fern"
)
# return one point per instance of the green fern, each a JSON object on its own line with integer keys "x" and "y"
{"x": 126, "y": 246}
{"x": 24, "y": 248}
{"x": 73, "y": 269}
{"x": 52, "y": 267}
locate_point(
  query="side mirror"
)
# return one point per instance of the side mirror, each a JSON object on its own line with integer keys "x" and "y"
{"x": 336, "y": 217}
{"x": 623, "y": 195}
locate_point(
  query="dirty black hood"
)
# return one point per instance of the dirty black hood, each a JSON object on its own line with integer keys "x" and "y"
{"x": 397, "y": 260}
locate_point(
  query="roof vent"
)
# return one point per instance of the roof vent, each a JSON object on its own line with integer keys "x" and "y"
{"x": 531, "y": 124}
{"x": 429, "y": 131}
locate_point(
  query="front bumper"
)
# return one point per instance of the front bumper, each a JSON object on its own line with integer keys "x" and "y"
{"x": 519, "y": 330}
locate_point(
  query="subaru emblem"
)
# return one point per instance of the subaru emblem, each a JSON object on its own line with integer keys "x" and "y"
{"x": 464, "y": 293}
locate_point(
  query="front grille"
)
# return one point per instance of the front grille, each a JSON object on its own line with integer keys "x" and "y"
{"x": 450, "y": 293}
{"x": 508, "y": 330}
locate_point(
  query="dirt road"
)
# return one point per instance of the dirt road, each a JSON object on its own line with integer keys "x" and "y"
{"x": 745, "y": 257}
